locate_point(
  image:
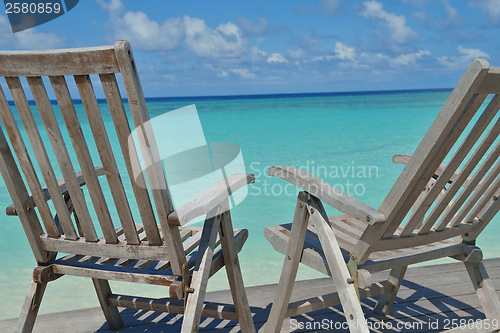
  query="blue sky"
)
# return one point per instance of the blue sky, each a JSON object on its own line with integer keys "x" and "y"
{"x": 220, "y": 47}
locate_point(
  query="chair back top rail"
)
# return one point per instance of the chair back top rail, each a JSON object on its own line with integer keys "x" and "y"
{"x": 464, "y": 136}
{"x": 57, "y": 65}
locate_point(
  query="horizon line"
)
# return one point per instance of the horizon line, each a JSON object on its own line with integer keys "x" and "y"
{"x": 309, "y": 94}
{"x": 266, "y": 96}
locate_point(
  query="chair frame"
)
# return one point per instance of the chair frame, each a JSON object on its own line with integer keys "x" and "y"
{"x": 349, "y": 247}
{"x": 158, "y": 251}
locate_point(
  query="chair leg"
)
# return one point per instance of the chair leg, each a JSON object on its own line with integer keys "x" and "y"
{"x": 111, "y": 313}
{"x": 234, "y": 277}
{"x": 30, "y": 308}
{"x": 289, "y": 270}
{"x": 201, "y": 273}
{"x": 385, "y": 301}
{"x": 484, "y": 290}
{"x": 340, "y": 274}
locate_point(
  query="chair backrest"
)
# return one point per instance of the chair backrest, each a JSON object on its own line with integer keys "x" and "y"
{"x": 60, "y": 235}
{"x": 458, "y": 198}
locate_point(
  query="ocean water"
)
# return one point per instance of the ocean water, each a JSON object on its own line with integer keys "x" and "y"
{"x": 345, "y": 139}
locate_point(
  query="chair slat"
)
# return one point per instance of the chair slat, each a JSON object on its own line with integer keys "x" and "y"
{"x": 62, "y": 156}
{"x": 25, "y": 160}
{"x": 465, "y": 179}
{"x": 106, "y": 154}
{"x": 479, "y": 191}
{"x": 489, "y": 194}
{"x": 473, "y": 184}
{"x": 434, "y": 147}
{"x": 59, "y": 62}
{"x": 156, "y": 176}
{"x": 424, "y": 161}
{"x": 464, "y": 149}
{"x": 488, "y": 208}
{"x": 20, "y": 197}
{"x": 42, "y": 157}
{"x": 122, "y": 127}
{"x": 81, "y": 149}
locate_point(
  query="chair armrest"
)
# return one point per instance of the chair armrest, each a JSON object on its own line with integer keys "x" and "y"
{"x": 210, "y": 198}
{"x": 328, "y": 193}
{"x": 11, "y": 210}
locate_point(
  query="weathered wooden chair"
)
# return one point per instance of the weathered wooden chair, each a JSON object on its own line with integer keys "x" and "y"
{"x": 450, "y": 205}
{"x": 159, "y": 250}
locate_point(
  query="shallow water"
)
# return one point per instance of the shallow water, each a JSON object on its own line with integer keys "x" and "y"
{"x": 347, "y": 140}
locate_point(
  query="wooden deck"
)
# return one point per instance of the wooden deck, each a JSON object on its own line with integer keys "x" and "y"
{"x": 431, "y": 299}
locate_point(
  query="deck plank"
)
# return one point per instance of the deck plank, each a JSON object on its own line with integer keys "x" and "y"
{"x": 429, "y": 298}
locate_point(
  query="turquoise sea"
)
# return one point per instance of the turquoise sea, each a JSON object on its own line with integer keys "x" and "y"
{"x": 346, "y": 139}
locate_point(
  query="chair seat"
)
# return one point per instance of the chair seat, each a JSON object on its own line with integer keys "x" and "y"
{"x": 348, "y": 230}
{"x": 133, "y": 270}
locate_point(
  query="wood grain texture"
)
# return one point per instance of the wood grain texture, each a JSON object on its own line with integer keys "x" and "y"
{"x": 150, "y": 154}
{"x": 58, "y": 62}
{"x": 82, "y": 153}
{"x": 208, "y": 199}
{"x": 122, "y": 129}
{"x": 106, "y": 154}
{"x": 328, "y": 193}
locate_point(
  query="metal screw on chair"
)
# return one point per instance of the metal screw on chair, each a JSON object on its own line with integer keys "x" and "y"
{"x": 312, "y": 210}
{"x": 28, "y": 208}
{"x": 495, "y": 198}
{"x": 190, "y": 290}
{"x": 351, "y": 316}
{"x": 350, "y": 280}
{"x": 367, "y": 219}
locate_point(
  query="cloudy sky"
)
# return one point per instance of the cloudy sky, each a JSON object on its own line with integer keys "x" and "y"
{"x": 220, "y": 47}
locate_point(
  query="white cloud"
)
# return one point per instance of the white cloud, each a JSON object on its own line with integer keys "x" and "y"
{"x": 344, "y": 52}
{"x": 469, "y": 54}
{"x": 29, "y": 39}
{"x": 407, "y": 59}
{"x": 276, "y": 57}
{"x": 244, "y": 73}
{"x": 146, "y": 34}
{"x": 451, "y": 12}
{"x": 490, "y": 7}
{"x": 115, "y": 6}
{"x": 258, "y": 53}
{"x": 398, "y": 31}
{"x": 295, "y": 54}
{"x": 466, "y": 56}
{"x": 321, "y": 58}
{"x": 224, "y": 41}
{"x": 143, "y": 33}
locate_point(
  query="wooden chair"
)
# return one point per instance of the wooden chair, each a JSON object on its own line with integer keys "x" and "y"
{"x": 158, "y": 251}
{"x": 450, "y": 205}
